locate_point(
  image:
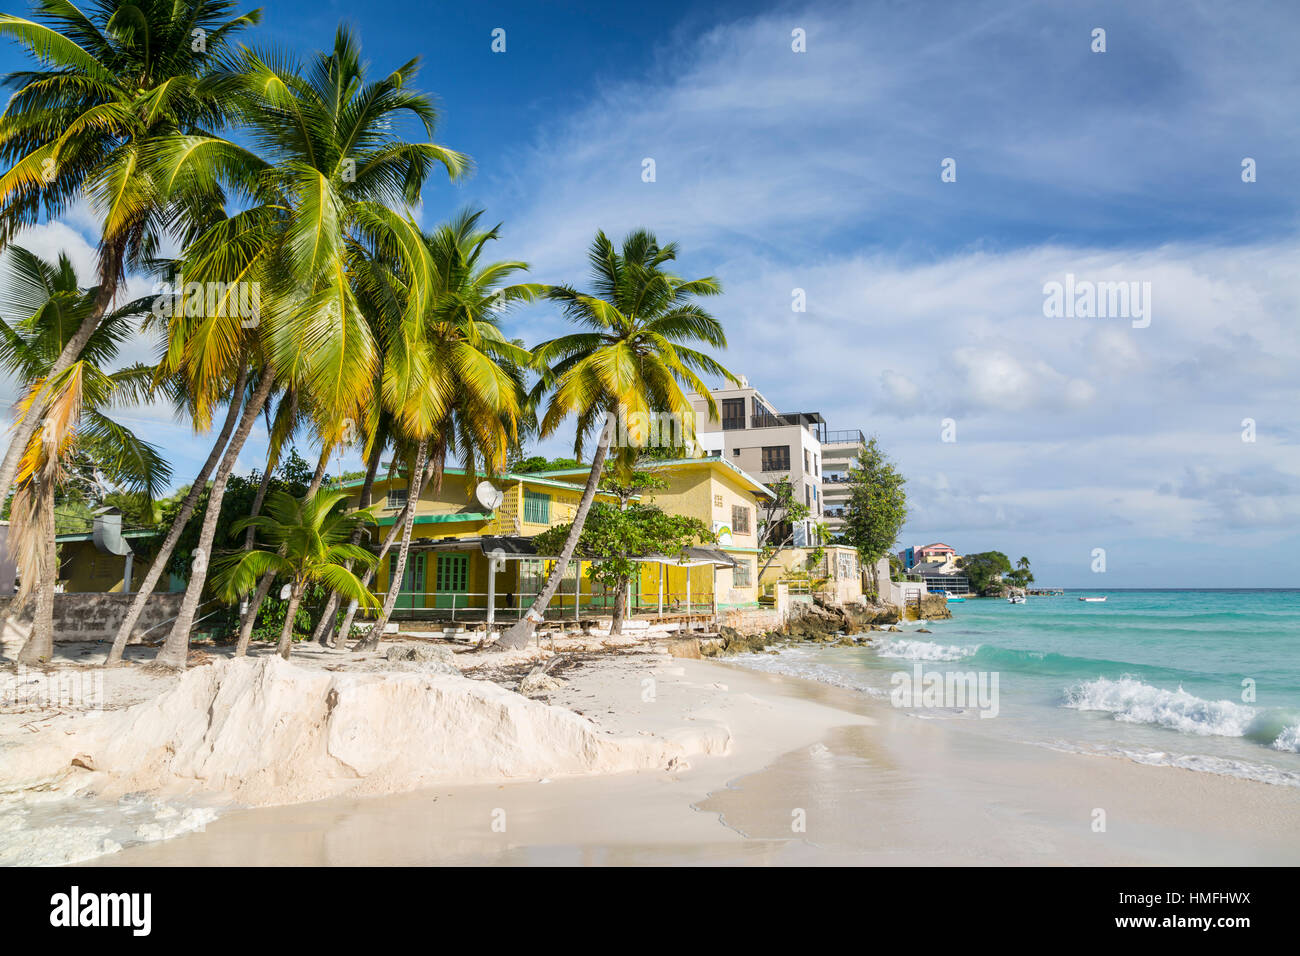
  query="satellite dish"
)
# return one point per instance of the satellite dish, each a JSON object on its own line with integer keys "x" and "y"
{"x": 106, "y": 532}
{"x": 489, "y": 495}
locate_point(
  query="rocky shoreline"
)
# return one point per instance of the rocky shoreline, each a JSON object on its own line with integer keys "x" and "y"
{"x": 846, "y": 625}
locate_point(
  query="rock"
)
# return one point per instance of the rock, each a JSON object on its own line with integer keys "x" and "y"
{"x": 734, "y": 642}
{"x": 923, "y": 630}
{"x": 420, "y": 653}
{"x": 537, "y": 681}
{"x": 688, "y": 647}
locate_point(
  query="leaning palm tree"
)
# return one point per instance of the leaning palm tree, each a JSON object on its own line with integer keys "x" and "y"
{"x": 110, "y": 89}
{"x": 334, "y": 171}
{"x": 459, "y": 390}
{"x": 634, "y": 354}
{"x": 77, "y": 399}
{"x": 306, "y": 540}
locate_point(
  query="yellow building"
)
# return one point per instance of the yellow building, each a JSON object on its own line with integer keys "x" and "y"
{"x": 471, "y": 546}
{"x": 84, "y": 567}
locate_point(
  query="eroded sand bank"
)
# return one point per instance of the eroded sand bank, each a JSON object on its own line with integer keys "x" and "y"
{"x": 865, "y": 783}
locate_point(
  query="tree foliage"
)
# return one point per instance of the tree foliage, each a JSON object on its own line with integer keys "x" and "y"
{"x": 612, "y": 538}
{"x": 986, "y": 570}
{"x": 877, "y": 505}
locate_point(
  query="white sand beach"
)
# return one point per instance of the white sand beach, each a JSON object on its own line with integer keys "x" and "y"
{"x": 635, "y": 758}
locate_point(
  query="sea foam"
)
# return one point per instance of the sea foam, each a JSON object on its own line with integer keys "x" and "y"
{"x": 1134, "y": 701}
{"x": 909, "y": 650}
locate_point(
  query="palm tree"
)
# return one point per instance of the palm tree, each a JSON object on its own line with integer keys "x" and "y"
{"x": 280, "y": 430}
{"x": 459, "y": 390}
{"x": 634, "y": 354}
{"x": 308, "y": 541}
{"x": 325, "y": 626}
{"x": 112, "y": 88}
{"x": 336, "y": 170}
{"x": 76, "y": 399}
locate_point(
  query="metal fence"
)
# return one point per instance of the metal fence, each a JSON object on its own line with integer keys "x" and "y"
{"x": 472, "y": 606}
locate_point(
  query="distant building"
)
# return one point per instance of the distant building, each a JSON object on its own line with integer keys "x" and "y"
{"x": 936, "y": 552}
{"x": 770, "y": 445}
{"x": 941, "y": 576}
{"x": 840, "y": 450}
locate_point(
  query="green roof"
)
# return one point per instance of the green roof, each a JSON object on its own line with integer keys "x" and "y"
{"x": 702, "y": 460}
{"x": 452, "y": 517}
{"x": 89, "y": 536}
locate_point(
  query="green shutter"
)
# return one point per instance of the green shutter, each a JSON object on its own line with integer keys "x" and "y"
{"x": 537, "y": 507}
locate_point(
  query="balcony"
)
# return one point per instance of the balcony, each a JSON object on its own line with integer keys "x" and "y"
{"x": 842, "y": 435}
{"x": 809, "y": 420}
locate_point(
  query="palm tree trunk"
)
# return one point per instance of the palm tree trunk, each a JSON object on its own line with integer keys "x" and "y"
{"x": 286, "y": 632}
{"x": 521, "y": 632}
{"x": 39, "y": 646}
{"x": 25, "y": 429}
{"x": 345, "y": 628}
{"x": 250, "y": 538}
{"x": 164, "y": 554}
{"x": 176, "y": 648}
{"x": 250, "y": 616}
{"x": 268, "y": 578}
{"x": 323, "y": 626}
{"x": 620, "y": 603}
{"x": 399, "y": 570}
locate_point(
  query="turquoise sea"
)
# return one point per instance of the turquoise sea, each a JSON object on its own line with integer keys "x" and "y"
{"x": 1208, "y": 680}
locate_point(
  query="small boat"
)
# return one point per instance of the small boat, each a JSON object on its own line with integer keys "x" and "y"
{"x": 1093, "y": 600}
{"x": 1017, "y": 599}
{"x": 955, "y": 600}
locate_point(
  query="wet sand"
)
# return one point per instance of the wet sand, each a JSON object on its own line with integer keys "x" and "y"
{"x": 816, "y": 775}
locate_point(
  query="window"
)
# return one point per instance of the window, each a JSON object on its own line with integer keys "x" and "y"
{"x": 733, "y": 413}
{"x": 717, "y": 501}
{"x": 742, "y": 575}
{"x": 807, "y": 462}
{"x": 807, "y": 496}
{"x": 735, "y": 453}
{"x": 739, "y": 519}
{"x": 537, "y": 507}
{"x": 532, "y": 575}
{"x": 396, "y": 498}
{"x": 453, "y": 573}
{"x": 776, "y": 458}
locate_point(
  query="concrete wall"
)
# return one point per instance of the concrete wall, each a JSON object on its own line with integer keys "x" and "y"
{"x": 89, "y": 617}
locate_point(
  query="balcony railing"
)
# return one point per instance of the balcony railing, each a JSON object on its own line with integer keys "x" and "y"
{"x": 839, "y": 435}
{"x": 808, "y": 420}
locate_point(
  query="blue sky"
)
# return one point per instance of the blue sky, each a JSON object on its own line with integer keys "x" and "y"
{"x": 821, "y": 171}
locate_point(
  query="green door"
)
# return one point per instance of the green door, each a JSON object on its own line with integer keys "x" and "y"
{"x": 452, "y": 581}
{"x": 412, "y": 591}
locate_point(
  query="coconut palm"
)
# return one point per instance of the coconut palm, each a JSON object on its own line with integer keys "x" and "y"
{"x": 335, "y": 171}
{"x": 76, "y": 401}
{"x": 306, "y": 540}
{"x": 455, "y": 383}
{"x": 634, "y": 354}
{"x": 110, "y": 89}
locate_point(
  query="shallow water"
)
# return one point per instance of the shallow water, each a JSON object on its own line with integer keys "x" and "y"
{"x": 1204, "y": 680}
